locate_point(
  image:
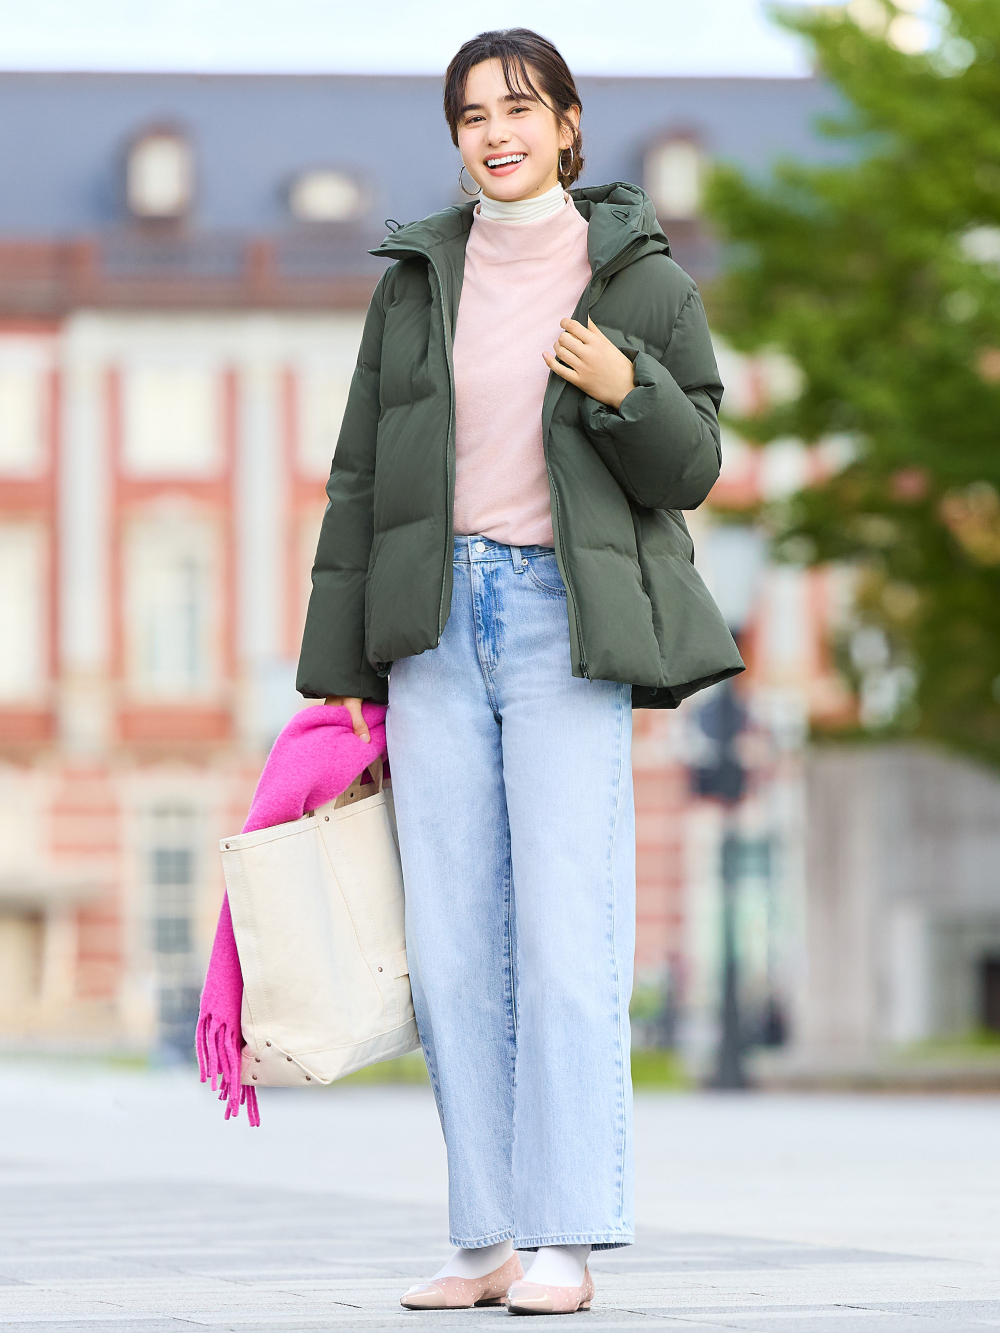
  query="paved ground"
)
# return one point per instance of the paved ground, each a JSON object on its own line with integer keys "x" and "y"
{"x": 126, "y": 1203}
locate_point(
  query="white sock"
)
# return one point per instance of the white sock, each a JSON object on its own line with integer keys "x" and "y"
{"x": 559, "y": 1265}
{"x": 477, "y": 1263}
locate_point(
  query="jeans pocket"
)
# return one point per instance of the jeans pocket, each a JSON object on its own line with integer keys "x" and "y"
{"x": 543, "y": 571}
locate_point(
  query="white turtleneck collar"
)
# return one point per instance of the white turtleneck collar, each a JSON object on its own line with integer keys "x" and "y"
{"x": 523, "y": 210}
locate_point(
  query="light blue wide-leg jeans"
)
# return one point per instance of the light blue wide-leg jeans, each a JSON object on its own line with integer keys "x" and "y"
{"x": 512, "y": 782}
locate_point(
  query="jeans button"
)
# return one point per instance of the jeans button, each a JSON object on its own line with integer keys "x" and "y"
{"x": 480, "y": 547}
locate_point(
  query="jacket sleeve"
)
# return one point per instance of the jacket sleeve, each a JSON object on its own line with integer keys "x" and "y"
{"x": 662, "y": 445}
{"x": 332, "y": 659}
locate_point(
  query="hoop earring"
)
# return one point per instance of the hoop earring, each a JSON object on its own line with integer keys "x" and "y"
{"x": 461, "y": 182}
{"x": 564, "y": 171}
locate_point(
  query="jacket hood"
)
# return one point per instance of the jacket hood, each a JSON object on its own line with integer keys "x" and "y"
{"x": 622, "y": 205}
{"x": 622, "y": 220}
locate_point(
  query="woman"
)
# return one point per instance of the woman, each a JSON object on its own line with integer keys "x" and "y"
{"x": 503, "y": 561}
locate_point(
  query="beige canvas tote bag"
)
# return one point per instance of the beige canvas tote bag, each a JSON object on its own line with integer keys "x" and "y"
{"x": 317, "y": 909}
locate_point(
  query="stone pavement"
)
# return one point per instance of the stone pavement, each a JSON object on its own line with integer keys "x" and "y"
{"x": 126, "y": 1203}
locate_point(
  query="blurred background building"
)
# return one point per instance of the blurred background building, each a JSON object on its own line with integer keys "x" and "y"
{"x": 183, "y": 281}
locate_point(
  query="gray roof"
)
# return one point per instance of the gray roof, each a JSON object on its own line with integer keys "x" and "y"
{"x": 62, "y": 139}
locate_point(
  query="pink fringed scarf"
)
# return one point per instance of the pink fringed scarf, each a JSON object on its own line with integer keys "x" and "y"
{"x": 315, "y": 758}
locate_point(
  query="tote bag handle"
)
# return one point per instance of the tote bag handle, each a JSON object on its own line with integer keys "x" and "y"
{"x": 358, "y": 790}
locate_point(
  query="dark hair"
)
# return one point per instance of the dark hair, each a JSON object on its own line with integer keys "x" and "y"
{"x": 520, "y": 51}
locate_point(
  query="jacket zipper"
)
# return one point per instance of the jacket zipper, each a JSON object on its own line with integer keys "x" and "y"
{"x": 449, "y": 444}
{"x": 557, "y": 533}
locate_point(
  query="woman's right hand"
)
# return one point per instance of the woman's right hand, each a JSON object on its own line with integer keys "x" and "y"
{"x": 353, "y": 706}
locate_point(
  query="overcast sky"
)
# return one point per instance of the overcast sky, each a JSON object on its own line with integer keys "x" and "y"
{"x": 391, "y": 36}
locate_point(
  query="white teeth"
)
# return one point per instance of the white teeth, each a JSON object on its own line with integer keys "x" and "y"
{"x": 502, "y": 161}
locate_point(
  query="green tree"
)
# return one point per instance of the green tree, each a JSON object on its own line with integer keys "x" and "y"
{"x": 880, "y": 276}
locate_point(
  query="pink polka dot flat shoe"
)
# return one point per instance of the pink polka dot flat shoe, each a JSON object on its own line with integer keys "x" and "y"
{"x": 461, "y": 1293}
{"x": 535, "y": 1298}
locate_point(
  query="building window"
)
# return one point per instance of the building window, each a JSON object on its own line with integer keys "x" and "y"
{"x": 172, "y": 422}
{"x": 173, "y": 875}
{"x": 172, "y": 864}
{"x": 159, "y": 178}
{"x": 171, "y": 607}
{"x": 324, "y": 195}
{"x": 22, "y": 420}
{"x": 23, "y": 603}
{"x": 674, "y": 175}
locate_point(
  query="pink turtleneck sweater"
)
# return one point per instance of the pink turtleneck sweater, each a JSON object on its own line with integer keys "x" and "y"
{"x": 521, "y": 279}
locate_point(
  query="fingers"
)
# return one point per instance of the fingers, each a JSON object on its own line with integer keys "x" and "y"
{"x": 567, "y": 372}
{"x": 353, "y": 706}
{"x": 567, "y": 355}
{"x": 574, "y": 327}
{"x": 567, "y": 342}
{"x": 357, "y": 717}
{"x": 589, "y": 334}
{"x": 596, "y": 334}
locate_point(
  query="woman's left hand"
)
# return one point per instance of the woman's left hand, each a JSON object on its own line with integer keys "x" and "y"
{"x": 592, "y": 362}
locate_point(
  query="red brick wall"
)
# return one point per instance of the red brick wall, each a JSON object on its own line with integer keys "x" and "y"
{"x": 661, "y": 798}
{"x": 86, "y": 833}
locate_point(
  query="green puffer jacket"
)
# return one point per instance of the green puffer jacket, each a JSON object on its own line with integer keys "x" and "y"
{"x": 638, "y": 610}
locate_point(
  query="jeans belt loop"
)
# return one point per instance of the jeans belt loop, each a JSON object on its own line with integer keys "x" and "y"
{"x": 515, "y": 555}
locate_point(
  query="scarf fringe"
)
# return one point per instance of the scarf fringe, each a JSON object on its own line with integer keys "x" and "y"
{"x": 219, "y": 1062}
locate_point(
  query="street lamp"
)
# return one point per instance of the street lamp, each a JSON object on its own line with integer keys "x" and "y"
{"x": 736, "y": 557}
{"x": 723, "y": 778}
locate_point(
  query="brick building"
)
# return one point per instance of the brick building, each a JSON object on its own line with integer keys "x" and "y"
{"x": 183, "y": 279}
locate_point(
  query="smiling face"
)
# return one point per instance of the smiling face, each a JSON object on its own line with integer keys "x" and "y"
{"x": 510, "y": 143}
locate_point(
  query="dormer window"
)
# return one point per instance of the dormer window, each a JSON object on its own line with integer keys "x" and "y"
{"x": 159, "y": 180}
{"x": 325, "y": 195}
{"x": 674, "y": 177}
